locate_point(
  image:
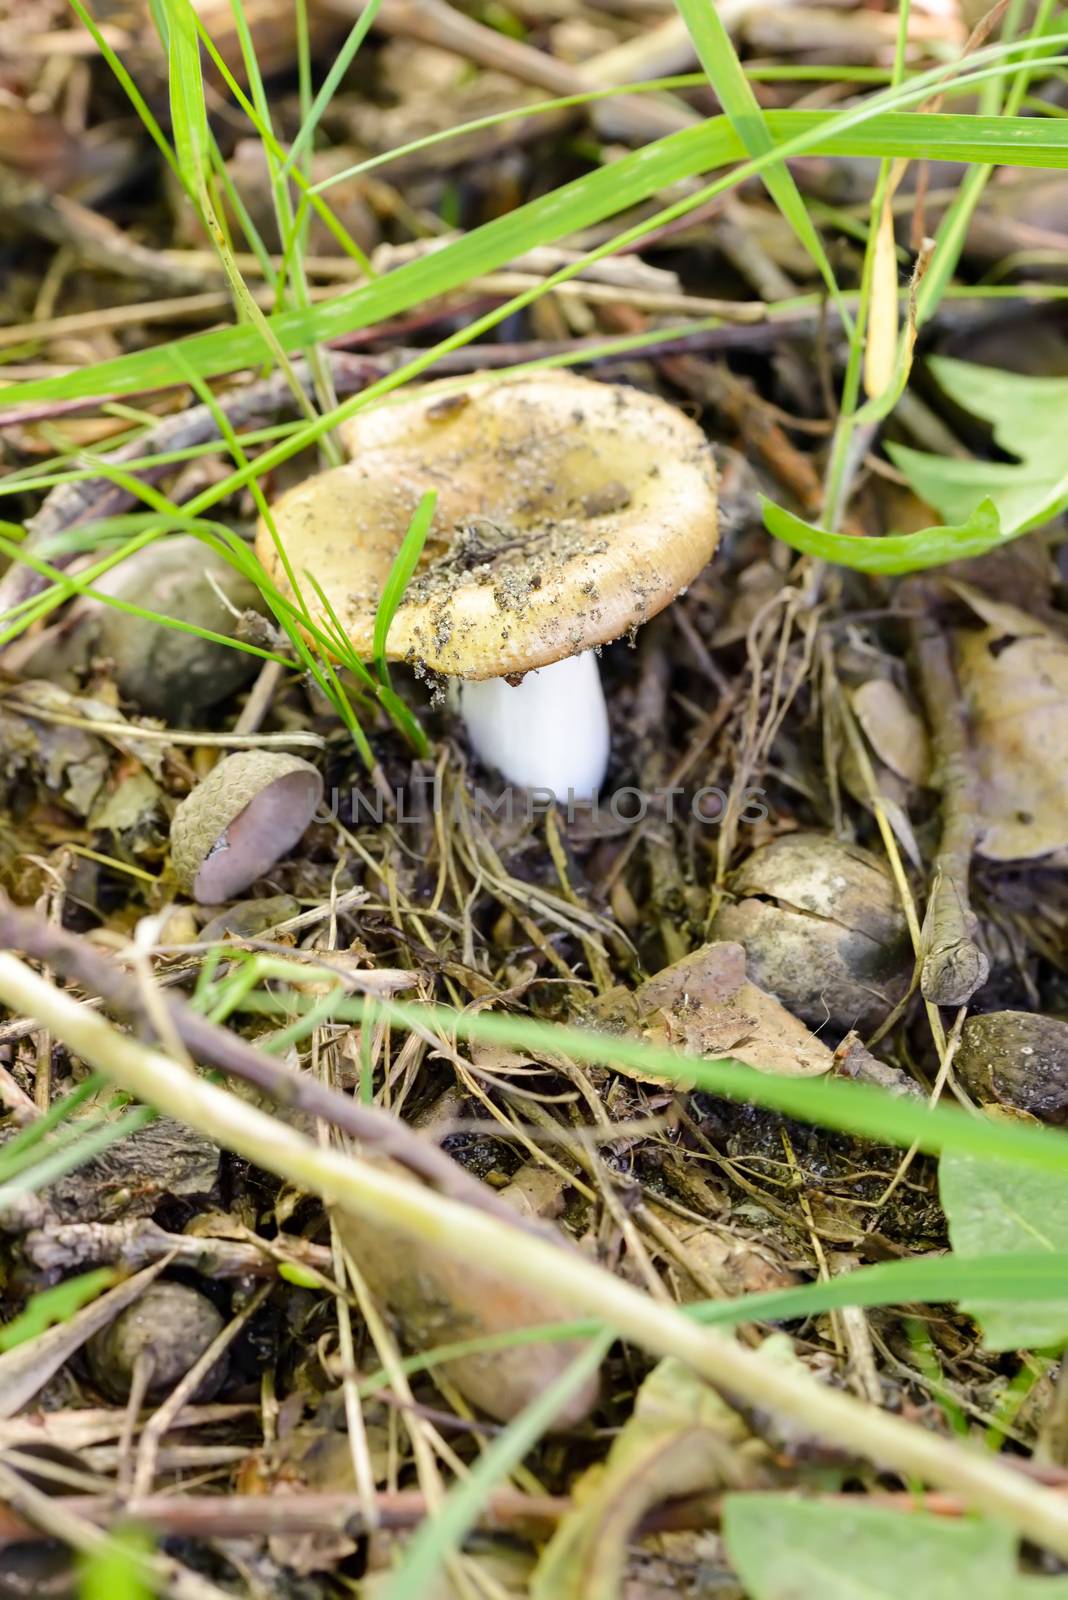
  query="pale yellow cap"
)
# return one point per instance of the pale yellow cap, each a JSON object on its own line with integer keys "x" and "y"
{"x": 568, "y": 512}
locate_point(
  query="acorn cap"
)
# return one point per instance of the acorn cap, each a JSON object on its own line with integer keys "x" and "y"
{"x": 568, "y": 512}
{"x": 249, "y": 812}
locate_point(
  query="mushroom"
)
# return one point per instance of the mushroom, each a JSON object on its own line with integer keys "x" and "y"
{"x": 568, "y": 512}
{"x": 249, "y": 812}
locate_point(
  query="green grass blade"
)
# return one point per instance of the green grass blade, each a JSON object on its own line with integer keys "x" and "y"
{"x": 1039, "y": 142}
{"x": 856, "y": 1108}
{"x": 735, "y": 94}
{"x": 344, "y": 59}
{"x": 55, "y": 1305}
{"x": 400, "y": 574}
{"x": 923, "y": 1280}
{"x": 438, "y": 1537}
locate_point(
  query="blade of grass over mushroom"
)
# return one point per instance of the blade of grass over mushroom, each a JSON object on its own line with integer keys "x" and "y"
{"x": 402, "y": 716}
{"x": 400, "y": 575}
{"x": 867, "y": 129}
{"x": 440, "y": 1536}
{"x": 896, "y": 553}
{"x": 926, "y": 1280}
{"x": 717, "y": 55}
{"x": 851, "y": 1107}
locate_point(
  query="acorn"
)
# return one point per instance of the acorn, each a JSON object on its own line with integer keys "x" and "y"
{"x": 154, "y": 1342}
{"x": 822, "y": 930}
{"x": 249, "y": 812}
{"x": 1016, "y": 1059}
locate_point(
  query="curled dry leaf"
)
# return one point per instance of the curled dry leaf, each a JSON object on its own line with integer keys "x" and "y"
{"x": 1014, "y": 676}
{"x": 681, "y": 1440}
{"x": 894, "y": 729}
{"x": 705, "y": 1006}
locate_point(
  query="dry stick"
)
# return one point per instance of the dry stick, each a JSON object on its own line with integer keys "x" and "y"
{"x": 65, "y": 1246}
{"x": 56, "y": 1519}
{"x": 75, "y": 958}
{"x": 954, "y": 966}
{"x": 94, "y": 240}
{"x": 250, "y": 1516}
{"x": 378, "y": 1195}
{"x": 433, "y": 22}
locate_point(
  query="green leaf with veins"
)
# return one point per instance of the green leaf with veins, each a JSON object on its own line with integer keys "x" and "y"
{"x": 1028, "y": 418}
{"x": 789, "y": 1549}
{"x": 999, "y": 1206}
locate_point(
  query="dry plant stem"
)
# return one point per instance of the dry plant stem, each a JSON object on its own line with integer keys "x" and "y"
{"x": 58, "y": 1521}
{"x": 433, "y": 22}
{"x": 76, "y": 959}
{"x": 262, "y": 1515}
{"x": 138, "y": 1243}
{"x": 379, "y": 1195}
{"x": 954, "y": 966}
{"x": 29, "y": 204}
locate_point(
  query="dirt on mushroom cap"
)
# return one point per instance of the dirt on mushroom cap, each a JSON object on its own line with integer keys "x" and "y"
{"x": 568, "y": 512}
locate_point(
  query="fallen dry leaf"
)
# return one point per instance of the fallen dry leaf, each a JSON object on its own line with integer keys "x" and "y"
{"x": 439, "y": 1299}
{"x": 681, "y": 1440}
{"x": 1014, "y": 676}
{"x": 705, "y": 1005}
{"x": 894, "y": 729}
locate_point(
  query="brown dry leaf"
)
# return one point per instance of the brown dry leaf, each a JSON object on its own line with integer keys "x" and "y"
{"x": 894, "y": 729}
{"x": 439, "y": 1299}
{"x": 704, "y": 1005}
{"x": 722, "y": 1263}
{"x": 1014, "y": 676}
{"x": 681, "y": 1440}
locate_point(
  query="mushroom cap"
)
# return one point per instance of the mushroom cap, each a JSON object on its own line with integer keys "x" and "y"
{"x": 249, "y": 812}
{"x": 568, "y": 512}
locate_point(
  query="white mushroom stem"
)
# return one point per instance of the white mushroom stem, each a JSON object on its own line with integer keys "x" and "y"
{"x": 548, "y": 732}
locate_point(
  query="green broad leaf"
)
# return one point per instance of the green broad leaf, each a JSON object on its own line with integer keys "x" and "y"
{"x": 789, "y": 1549}
{"x": 55, "y": 1305}
{"x": 1027, "y": 416}
{"x": 999, "y": 1206}
{"x": 897, "y": 552}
